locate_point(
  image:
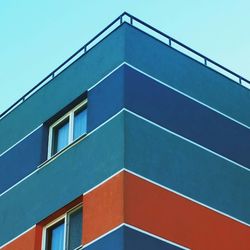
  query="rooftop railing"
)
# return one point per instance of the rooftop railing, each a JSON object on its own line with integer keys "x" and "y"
{"x": 134, "y": 21}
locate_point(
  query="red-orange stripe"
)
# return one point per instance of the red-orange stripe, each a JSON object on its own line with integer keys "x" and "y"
{"x": 180, "y": 220}
{"x": 103, "y": 208}
{"x": 135, "y": 201}
{"x": 25, "y": 242}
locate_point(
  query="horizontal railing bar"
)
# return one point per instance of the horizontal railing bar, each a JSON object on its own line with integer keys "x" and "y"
{"x": 119, "y": 19}
{"x": 53, "y": 73}
{"x": 186, "y": 47}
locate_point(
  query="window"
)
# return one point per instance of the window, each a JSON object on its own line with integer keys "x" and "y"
{"x": 65, "y": 233}
{"x": 55, "y": 236}
{"x": 68, "y": 129}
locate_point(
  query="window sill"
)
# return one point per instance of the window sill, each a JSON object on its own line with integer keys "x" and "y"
{"x": 53, "y": 157}
{"x": 78, "y": 248}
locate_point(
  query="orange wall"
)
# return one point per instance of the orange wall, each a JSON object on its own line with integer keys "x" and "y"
{"x": 103, "y": 208}
{"x": 32, "y": 239}
{"x": 129, "y": 199}
{"x": 168, "y": 215}
{"x": 24, "y": 242}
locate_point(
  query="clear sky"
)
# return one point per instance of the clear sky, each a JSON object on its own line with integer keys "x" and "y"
{"x": 37, "y": 36}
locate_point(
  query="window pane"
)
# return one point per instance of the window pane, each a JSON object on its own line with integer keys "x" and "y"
{"x": 80, "y": 123}
{"x": 60, "y": 136}
{"x": 56, "y": 237}
{"x": 75, "y": 229}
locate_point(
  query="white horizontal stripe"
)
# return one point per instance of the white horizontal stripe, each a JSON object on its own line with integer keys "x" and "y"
{"x": 186, "y": 197}
{"x": 111, "y": 72}
{"x": 168, "y": 189}
{"x": 155, "y": 125}
{"x": 17, "y": 236}
{"x": 21, "y": 140}
{"x": 138, "y": 230}
{"x": 188, "y": 96}
{"x": 124, "y": 109}
{"x": 129, "y": 65}
{"x": 155, "y": 236}
{"x": 155, "y": 79}
{"x": 101, "y": 183}
{"x": 103, "y": 235}
{"x": 186, "y": 139}
{"x": 148, "y": 180}
{"x": 111, "y": 118}
{"x": 41, "y": 166}
{"x": 17, "y": 183}
{"x": 119, "y": 171}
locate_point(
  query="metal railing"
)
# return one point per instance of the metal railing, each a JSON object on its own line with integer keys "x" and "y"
{"x": 134, "y": 21}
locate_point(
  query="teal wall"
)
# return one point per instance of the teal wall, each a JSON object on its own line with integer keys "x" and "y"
{"x": 62, "y": 180}
{"x": 140, "y": 50}
{"x": 125, "y": 141}
{"x": 130, "y": 142}
{"x": 187, "y": 75}
{"x": 186, "y": 168}
{"x": 66, "y": 87}
{"x": 26, "y": 156}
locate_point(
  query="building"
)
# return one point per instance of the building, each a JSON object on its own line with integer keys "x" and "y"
{"x": 133, "y": 145}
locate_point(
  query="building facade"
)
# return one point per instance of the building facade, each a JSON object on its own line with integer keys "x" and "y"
{"x": 133, "y": 145}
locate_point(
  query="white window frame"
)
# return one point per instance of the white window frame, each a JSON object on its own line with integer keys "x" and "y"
{"x": 70, "y": 116}
{"x": 64, "y": 217}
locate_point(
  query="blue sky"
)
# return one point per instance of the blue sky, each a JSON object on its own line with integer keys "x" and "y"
{"x": 37, "y": 36}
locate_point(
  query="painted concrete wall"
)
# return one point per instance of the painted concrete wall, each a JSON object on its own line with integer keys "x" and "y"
{"x": 62, "y": 180}
{"x": 64, "y": 88}
{"x": 187, "y": 75}
{"x": 165, "y": 134}
{"x": 27, "y": 155}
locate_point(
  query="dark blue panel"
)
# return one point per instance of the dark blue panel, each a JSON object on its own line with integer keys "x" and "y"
{"x": 140, "y": 241}
{"x": 113, "y": 241}
{"x": 187, "y": 75}
{"x": 77, "y": 170}
{"x": 186, "y": 168}
{"x": 22, "y": 159}
{"x": 129, "y": 239}
{"x": 106, "y": 99}
{"x": 64, "y": 88}
{"x": 186, "y": 117}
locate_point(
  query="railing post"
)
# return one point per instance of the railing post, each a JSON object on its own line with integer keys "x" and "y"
{"x": 170, "y": 42}
{"x": 241, "y": 80}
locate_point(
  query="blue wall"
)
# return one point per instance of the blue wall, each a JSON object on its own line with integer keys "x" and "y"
{"x": 186, "y": 117}
{"x": 142, "y": 51}
{"x": 187, "y": 75}
{"x": 140, "y": 241}
{"x": 175, "y": 162}
{"x": 113, "y": 241}
{"x": 23, "y": 159}
{"x": 63, "y": 89}
{"x": 62, "y": 180}
{"x": 150, "y": 99}
{"x": 104, "y": 101}
{"x": 142, "y": 147}
{"x": 186, "y": 168}
{"x": 126, "y": 238}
